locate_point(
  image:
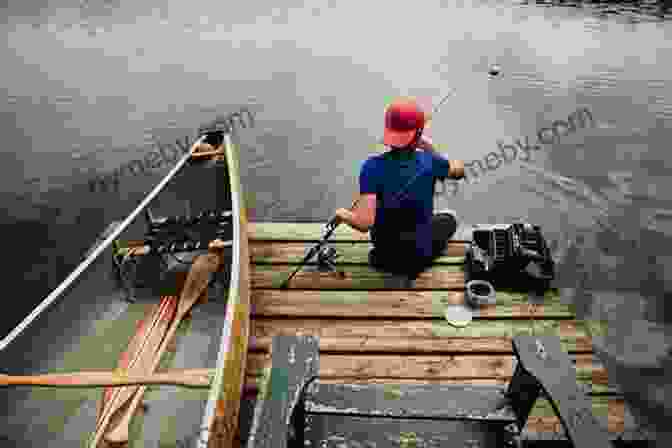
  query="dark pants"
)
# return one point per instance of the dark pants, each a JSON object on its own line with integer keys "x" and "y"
{"x": 401, "y": 259}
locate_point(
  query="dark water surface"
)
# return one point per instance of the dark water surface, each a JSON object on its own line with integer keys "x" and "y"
{"x": 90, "y": 86}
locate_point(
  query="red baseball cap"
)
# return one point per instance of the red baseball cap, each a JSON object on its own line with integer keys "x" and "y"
{"x": 402, "y": 120}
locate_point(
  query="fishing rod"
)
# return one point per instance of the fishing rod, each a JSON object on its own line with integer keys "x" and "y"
{"x": 326, "y": 255}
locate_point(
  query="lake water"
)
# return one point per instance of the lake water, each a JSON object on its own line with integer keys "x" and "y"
{"x": 90, "y": 85}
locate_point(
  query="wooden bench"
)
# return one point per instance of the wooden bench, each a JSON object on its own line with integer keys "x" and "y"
{"x": 446, "y": 415}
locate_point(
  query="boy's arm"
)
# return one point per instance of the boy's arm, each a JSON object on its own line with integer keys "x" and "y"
{"x": 456, "y": 169}
{"x": 362, "y": 214}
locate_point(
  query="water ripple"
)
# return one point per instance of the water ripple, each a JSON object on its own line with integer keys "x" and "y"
{"x": 633, "y": 11}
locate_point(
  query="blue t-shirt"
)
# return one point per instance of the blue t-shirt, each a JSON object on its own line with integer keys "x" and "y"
{"x": 411, "y": 215}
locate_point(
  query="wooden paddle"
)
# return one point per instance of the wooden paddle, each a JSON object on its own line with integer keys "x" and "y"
{"x": 135, "y": 347}
{"x": 104, "y": 378}
{"x": 120, "y": 395}
{"x": 194, "y": 287}
{"x": 143, "y": 327}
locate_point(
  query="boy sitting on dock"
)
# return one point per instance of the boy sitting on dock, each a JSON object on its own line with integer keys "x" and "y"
{"x": 397, "y": 192}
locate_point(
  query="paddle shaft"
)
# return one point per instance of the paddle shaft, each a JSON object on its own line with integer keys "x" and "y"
{"x": 143, "y": 328}
{"x": 120, "y": 431}
{"x": 102, "y": 378}
{"x": 136, "y": 349}
{"x": 115, "y": 403}
{"x": 121, "y": 394}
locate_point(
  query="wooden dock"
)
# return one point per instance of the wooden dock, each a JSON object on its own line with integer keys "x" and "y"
{"x": 373, "y": 329}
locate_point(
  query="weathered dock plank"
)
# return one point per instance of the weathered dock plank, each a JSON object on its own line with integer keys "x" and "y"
{"x": 397, "y": 304}
{"x": 403, "y": 347}
{"x": 357, "y": 277}
{"x": 607, "y": 409}
{"x": 354, "y": 252}
{"x": 584, "y": 378}
{"x": 455, "y": 367}
{"x": 418, "y": 336}
{"x": 281, "y": 231}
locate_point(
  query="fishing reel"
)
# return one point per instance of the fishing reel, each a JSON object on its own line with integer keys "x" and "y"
{"x": 327, "y": 255}
{"x": 326, "y": 259}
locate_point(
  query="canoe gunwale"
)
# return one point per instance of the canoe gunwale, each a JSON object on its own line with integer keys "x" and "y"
{"x": 220, "y": 419}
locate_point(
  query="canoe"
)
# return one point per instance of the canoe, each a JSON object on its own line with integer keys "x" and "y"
{"x": 145, "y": 342}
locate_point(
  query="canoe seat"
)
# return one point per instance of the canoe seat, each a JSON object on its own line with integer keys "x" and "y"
{"x": 416, "y": 414}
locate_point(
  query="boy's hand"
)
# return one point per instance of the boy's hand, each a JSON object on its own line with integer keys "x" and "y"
{"x": 340, "y": 216}
{"x": 456, "y": 170}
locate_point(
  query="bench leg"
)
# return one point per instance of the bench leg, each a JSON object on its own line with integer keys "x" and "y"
{"x": 279, "y": 417}
{"x": 523, "y": 391}
{"x": 544, "y": 368}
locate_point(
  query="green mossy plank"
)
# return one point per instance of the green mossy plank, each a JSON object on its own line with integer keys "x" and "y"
{"x": 357, "y": 253}
{"x": 410, "y": 304}
{"x": 542, "y": 408}
{"x": 508, "y": 329}
{"x": 596, "y": 327}
{"x": 280, "y": 231}
{"x": 553, "y": 306}
{"x": 506, "y": 300}
{"x": 393, "y": 336}
{"x": 357, "y": 277}
{"x": 600, "y": 389}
